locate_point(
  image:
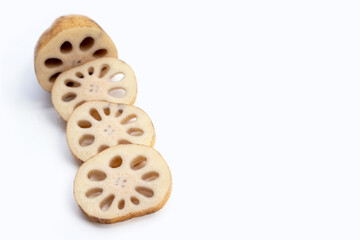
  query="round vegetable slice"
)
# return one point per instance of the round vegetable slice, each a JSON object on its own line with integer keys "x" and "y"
{"x": 96, "y": 125}
{"x": 107, "y": 79}
{"x": 122, "y": 182}
{"x": 70, "y": 41}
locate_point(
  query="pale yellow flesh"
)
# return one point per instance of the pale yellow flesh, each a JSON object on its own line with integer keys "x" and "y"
{"x": 88, "y": 135}
{"x": 142, "y": 181}
{"x": 46, "y": 73}
{"x": 94, "y": 80}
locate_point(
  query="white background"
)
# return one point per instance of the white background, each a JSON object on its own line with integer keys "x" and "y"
{"x": 255, "y": 106}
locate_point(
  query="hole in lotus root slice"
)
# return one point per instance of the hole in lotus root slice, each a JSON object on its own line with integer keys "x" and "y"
{"x": 129, "y": 119}
{"x": 106, "y": 203}
{"x": 86, "y": 140}
{"x": 96, "y": 175}
{"x": 118, "y": 112}
{"x": 116, "y": 162}
{"x": 107, "y": 111}
{"x": 124, "y": 141}
{"x": 135, "y": 132}
{"x": 53, "y": 62}
{"x": 102, "y": 148}
{"x": 94, "y": 192}
{"x": 86, "y": 44}
{"x": 146, "y": 192}
{"x": 68, "y": 97}
{"x": 150, "y": 176}
{"x": 79, "y": 75}
{"x": 72, "y": 84}
{"x": 117, "y": 92}
{"x": 91, "y": 70}
{"x": 121, "y": 204}
{"x": 66, "y": 47}
{"x": 100, "y": 53}
{"x": 95, "y": 114}
{"x": 54, "y": 77}
{"x": 84, "y": 124}
{"x": 135, "y": 200}
{"x": 104, "y": 70}
{"x": 138, "y": 163}
{"x": 117, "y": 77}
